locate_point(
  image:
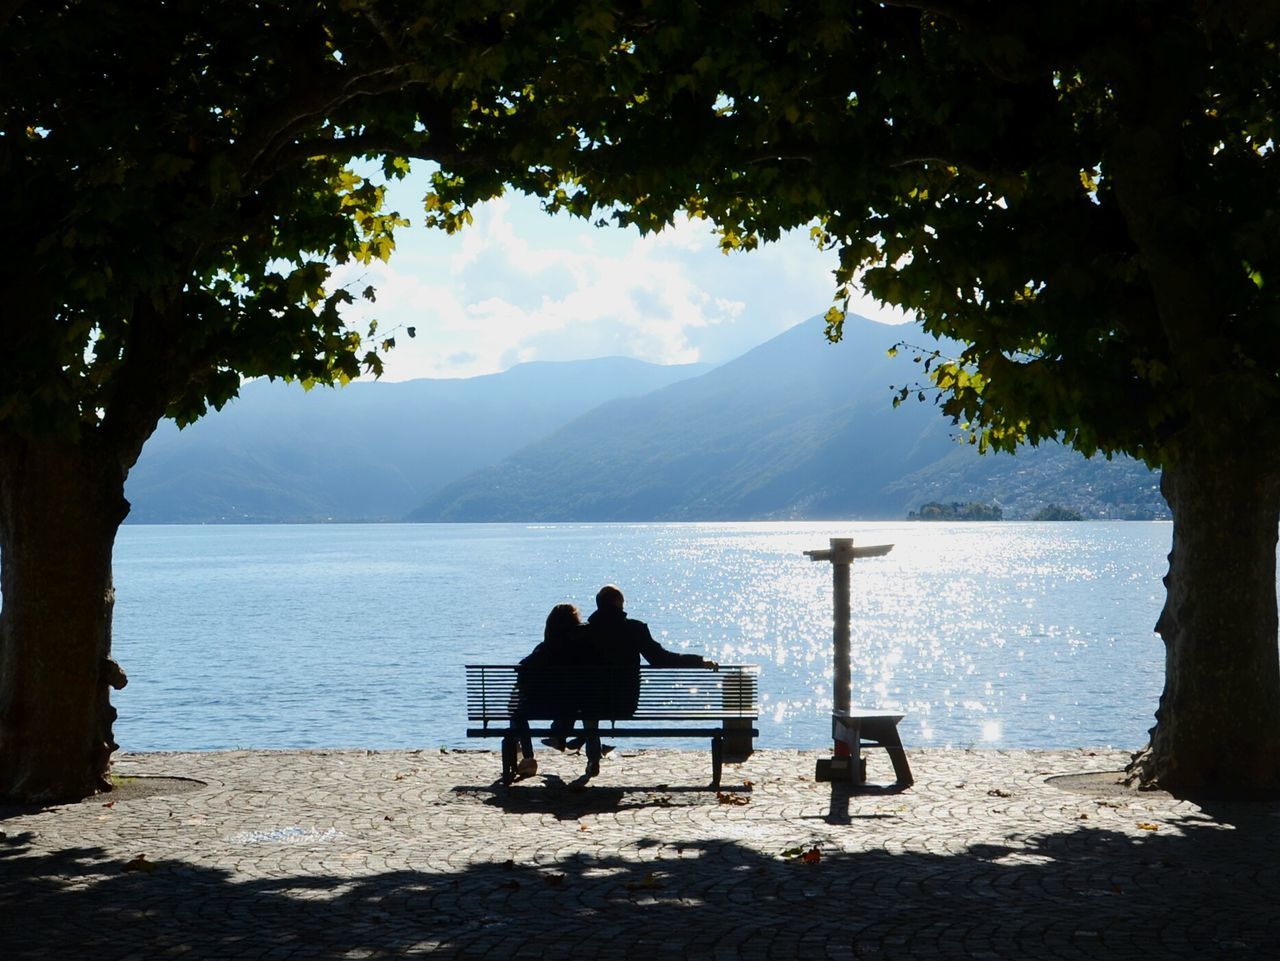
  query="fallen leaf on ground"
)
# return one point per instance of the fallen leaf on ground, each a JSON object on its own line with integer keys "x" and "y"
{"x": 732, "y": 798}
{"x": 998, "y": 792}
{"x": 807, "y": 855}
{"x": 1148, "y": 826}
{"x": 140, "y": 863}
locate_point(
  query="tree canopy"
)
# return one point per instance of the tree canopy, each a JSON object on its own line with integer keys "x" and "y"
{"x": 1083, "y": 193}
{"x": 179, "y": 184}
{"x": 179, "y": 181}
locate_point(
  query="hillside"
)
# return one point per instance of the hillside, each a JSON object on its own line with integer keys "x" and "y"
{"x": 797, "y": 428}
{"x": 369, "y": 451}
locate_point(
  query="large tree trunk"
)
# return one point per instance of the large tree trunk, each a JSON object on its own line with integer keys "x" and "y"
{"x": 1218, "y": 724}
{"x": 61, "y": 504}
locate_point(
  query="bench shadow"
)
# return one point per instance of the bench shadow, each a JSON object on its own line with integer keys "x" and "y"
{"x": 571, "y": 800}
{"x": 1194, "y": 889}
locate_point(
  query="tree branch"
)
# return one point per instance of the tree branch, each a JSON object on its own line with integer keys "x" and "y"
{"x": 278, "y": 130}
{"x": 148, "y": 379}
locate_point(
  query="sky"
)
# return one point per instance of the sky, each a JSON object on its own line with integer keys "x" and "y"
{"x": 520, "y": 285}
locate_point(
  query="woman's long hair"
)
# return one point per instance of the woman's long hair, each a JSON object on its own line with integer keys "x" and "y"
{"x": 562, "y": 619}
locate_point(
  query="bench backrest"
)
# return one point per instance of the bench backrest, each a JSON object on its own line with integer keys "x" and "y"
{"x": 666, "y": 693}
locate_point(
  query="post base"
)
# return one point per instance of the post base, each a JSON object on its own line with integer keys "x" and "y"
{"x": 843, "y": 769}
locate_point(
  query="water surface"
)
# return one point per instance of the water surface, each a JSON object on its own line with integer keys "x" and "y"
{"x": 1001, "y": 634}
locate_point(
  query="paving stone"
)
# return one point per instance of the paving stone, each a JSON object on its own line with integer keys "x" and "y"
{"x": 360, "y": 854}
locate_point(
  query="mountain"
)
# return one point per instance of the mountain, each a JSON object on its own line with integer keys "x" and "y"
{"x": 368, "y": 451}
{"x": 797, "y": 428}
{"x": 1036, "y": 478}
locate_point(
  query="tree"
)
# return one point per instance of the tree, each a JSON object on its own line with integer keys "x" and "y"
{"x": 1054, "y": 512}
{"x": 177, "y": 186}
{"x": 955, "y": 511}
{"x": 1083, "y": 193}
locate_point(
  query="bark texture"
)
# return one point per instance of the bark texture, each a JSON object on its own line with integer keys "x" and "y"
{"x": 1218, "y": 723}
{"x": 61, "y": 504}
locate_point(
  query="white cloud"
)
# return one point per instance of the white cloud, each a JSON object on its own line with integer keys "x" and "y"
{"x": 519, "y": 285}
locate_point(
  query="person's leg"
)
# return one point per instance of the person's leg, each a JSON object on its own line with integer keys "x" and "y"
{"x": 561, "y": 727}
{"x": 527, "y": 765}
{"x": 591, "y": 728}
{"x": 520, "y": 728}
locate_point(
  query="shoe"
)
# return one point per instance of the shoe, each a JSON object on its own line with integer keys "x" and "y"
{"x": 606, "y": 748}
{"x": 555, "y": 743}
{"x": 574, "y": 744}
{"x": 593, "y": 768}
{"x": 527, "y": 767}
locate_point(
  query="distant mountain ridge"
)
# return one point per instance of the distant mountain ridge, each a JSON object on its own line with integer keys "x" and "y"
{"x": 370, "y": 450}
{"x": 796, "y": 428}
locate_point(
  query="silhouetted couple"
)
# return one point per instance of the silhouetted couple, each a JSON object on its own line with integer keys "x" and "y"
{"x": 587, "y": 672}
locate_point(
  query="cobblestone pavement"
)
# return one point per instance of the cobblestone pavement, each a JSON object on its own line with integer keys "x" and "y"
{"x": 354, "y": 854}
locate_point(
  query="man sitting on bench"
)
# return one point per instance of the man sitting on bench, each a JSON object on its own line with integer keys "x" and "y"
{"x": 619, "y": 643}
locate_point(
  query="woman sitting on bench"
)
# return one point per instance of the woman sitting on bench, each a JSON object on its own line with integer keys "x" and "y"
{"x": 542, "y": 692}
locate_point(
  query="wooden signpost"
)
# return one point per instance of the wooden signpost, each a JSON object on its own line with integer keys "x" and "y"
{"x": 846, "y": 727}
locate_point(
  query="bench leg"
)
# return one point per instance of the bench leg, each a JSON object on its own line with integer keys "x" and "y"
{"x": 717, "y": 760}
{"x": 885, "y": 734}
{"x": 898, "y": 755}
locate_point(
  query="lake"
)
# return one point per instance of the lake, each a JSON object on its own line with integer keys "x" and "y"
{"x": 997, "y": 635}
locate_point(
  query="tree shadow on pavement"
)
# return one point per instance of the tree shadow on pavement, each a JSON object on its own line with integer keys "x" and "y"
{"x": 1194, "y": 888}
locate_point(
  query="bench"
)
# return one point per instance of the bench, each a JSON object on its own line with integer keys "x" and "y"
{"x": 674, "y": 702}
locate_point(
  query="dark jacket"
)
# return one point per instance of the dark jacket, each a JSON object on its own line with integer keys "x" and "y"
{"x": 544, "y": 690}
{"x": 619, "y": 643}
